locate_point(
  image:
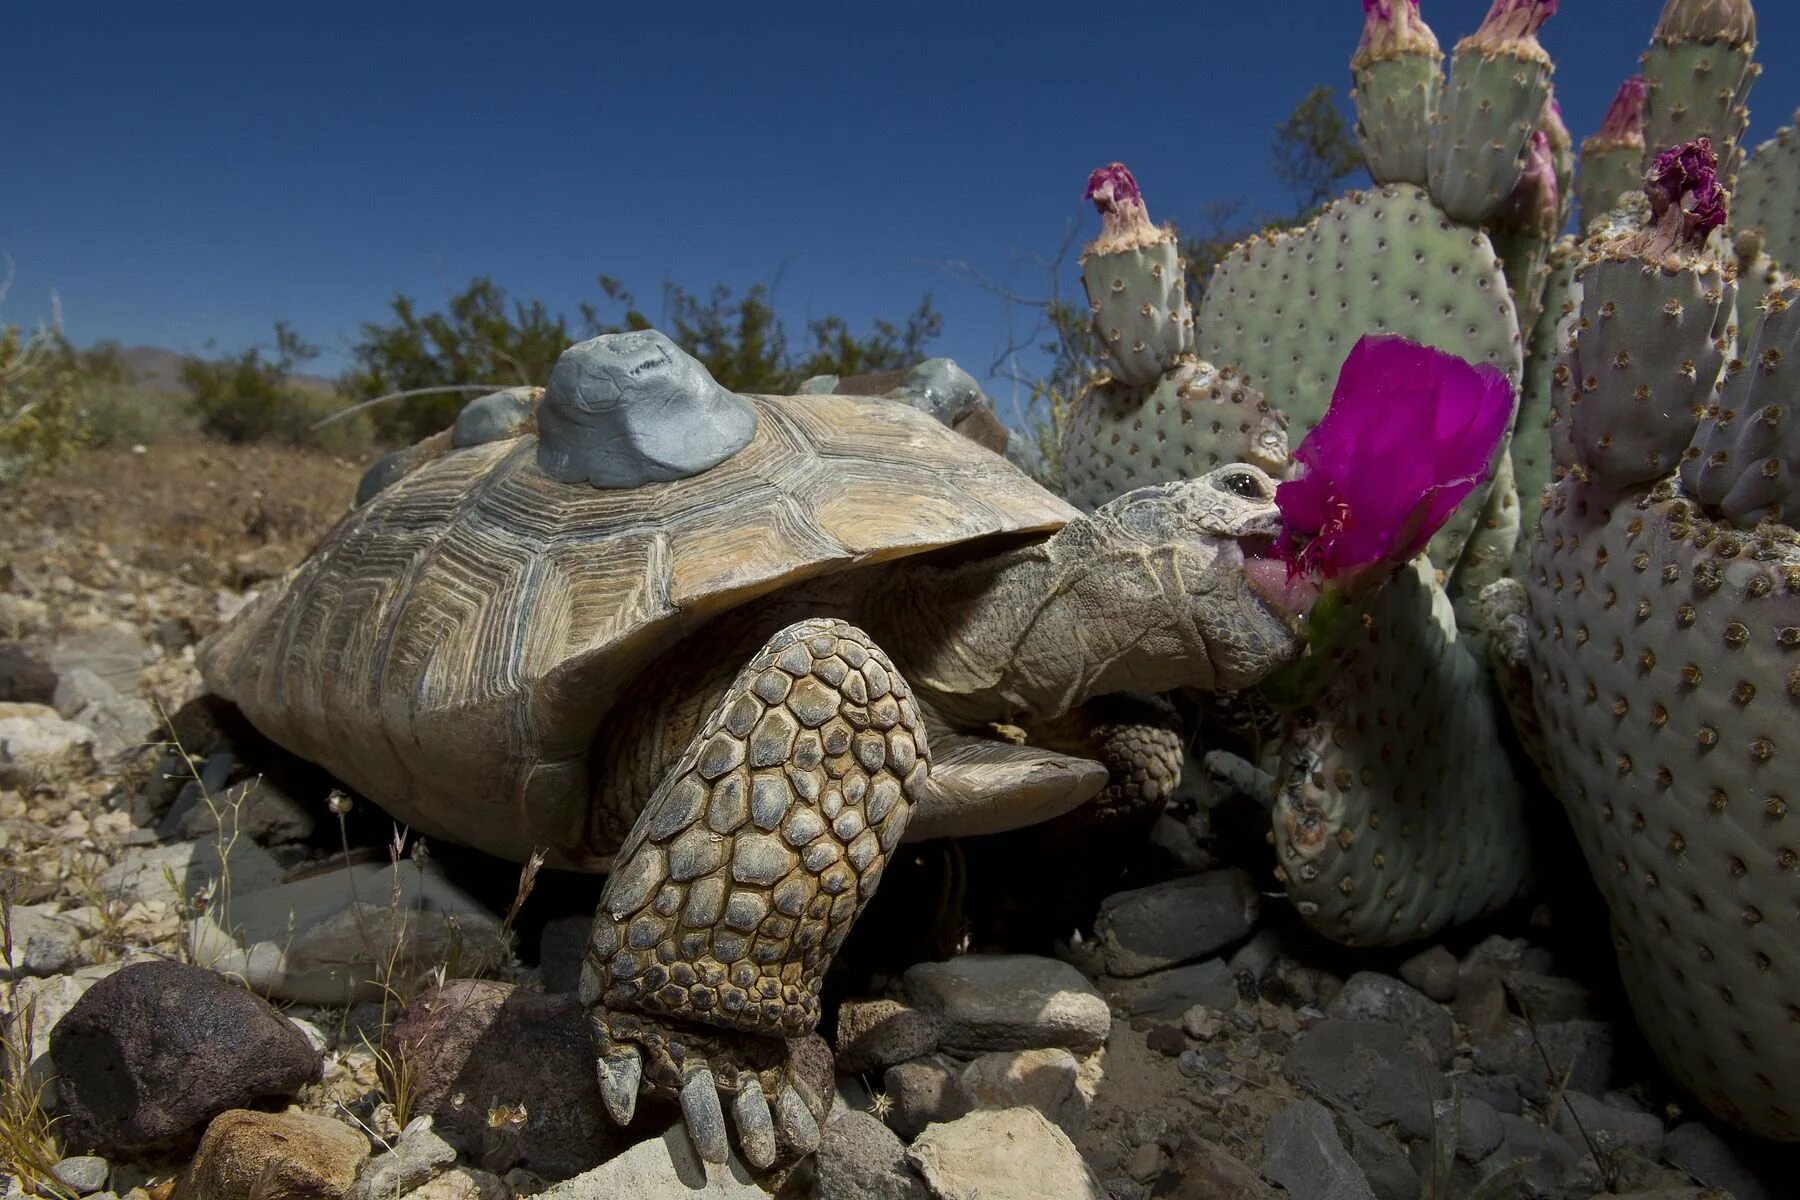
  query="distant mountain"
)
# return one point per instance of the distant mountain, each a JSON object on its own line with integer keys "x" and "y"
{"x": 159, "y": 369}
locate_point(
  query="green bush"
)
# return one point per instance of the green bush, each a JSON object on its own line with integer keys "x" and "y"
{"x": 251, "y": 398}
{"x": 40, "y": 419}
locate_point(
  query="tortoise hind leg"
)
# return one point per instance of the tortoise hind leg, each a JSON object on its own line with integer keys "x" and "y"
{"x": 741, "y": 878}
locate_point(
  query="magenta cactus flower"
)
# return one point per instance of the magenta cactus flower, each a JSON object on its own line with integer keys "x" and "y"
{"x": 1684, "y": 179}
{"x": 1115, "y": 194}
{"x": 1410, "y": 432}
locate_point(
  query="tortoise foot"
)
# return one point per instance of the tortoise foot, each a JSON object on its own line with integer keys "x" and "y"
{"x": 707, "y": 1070}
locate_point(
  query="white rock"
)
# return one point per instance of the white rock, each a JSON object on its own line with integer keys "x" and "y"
{"x": 228, "y": 872}
{"x": 1010, "y": 1154}
{"x": 1045, "y": 1079}
{"x": 43, "y": 942}
{"x": 664, "y": 1168}
{"x": 37, "y": 744}
{"x": 1009, "y": 1002}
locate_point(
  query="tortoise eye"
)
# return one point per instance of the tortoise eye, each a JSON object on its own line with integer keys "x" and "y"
{"x": 1242, "y": 483}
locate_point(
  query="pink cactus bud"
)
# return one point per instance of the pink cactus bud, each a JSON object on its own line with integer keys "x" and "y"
{"x": 1511, "y": 28}
{"x": 1730, "y": 21}
{"x": 1410, "y": 432}
{"x": 1392, "y": 28}
{"x": 1121, "y": 205}
{"x": 1624, "y": 120}
{"x": 1685, "y": 180}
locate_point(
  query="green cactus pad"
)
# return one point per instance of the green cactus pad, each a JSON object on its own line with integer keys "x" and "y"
{"x": 1194, "y": 419}
{"x": 1138, "y": 296}
{"x": 1606, "y": 175}
{"x": 1288, "y": 307}
{"x": 1768, "y": 196}
{"x": 1398, "y": 812}
{"x": 1745, "y": 460}
{"x": 1531, "y": 458}
{"x": 1695, "y": 90}
{"x": 1488, "y": 557}
{"x": 1653, "y": 342}
{"x": 1486, "y": 116}
{"x": 1395, "y": 99}
{"x": 1666, "y": 670}
{"x": 1758, "y": 275}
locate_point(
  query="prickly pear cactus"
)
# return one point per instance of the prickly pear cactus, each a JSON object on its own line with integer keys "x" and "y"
{"x": 1768, "y": 195}
{"x": 1664, "y": 662}
{"x": 1612, "y": 160}
{"x": 1499, "y": 85}
{"x": 1697, "y": 72}
{"x": 1745, "y": 459}
{"x": 1287, "y": 307}
{"x": 1531, "y": 432}
{"x": 1136, "y": 283}
{"x": 1398, "y": 79}
{"x": 1193, "y": 419}
{"x": 1398, "y": 812}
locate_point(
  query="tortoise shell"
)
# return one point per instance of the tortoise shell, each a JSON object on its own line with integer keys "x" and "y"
{"x": 453, "y": 644}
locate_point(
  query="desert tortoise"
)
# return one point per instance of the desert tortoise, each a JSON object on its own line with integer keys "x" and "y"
{"x": 635, "y": 649}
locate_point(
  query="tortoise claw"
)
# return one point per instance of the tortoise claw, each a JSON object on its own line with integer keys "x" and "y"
{"x": 621, "y": 1075}
{"x": 794, "y": 1121}
{"x": 755, "y": 1126}
{"x": 704, "y": 1117}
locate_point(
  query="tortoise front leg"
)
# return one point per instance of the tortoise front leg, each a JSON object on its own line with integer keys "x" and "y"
{"x": 741, "y": 878}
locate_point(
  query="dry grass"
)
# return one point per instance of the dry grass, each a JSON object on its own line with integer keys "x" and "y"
{"x": 27, "y": 1133}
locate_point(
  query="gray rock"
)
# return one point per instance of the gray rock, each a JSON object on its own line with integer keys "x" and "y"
{"x": 1479, "y": 1131}
{"x": 1389, "y": 1172}
{"x": 1175, "y": 922}
{"x": 253, "y": 808}
{"x": 419, "y": 1156}
{"x": 36, "y": 745}
{"x": 1368, "y": 1068}
{"x": 24, "y": 679}
{"x": 1550, "y": 1156}
{"x": 1003, "y": 1154}
{"x": 872, "y": 1034}
{"x": 664, "y": 1168}
{"x": 1499, "y": 1092}
{"x": 1580, "y": 1050}
{"x": 926, "y": 1092}
{"x": 43, "y": 943}
{"x": 329, "y": 938}
{"x": 1371, "y": 996}
{"x": 116, "y": 652}
{"x": 1044, "y": 1079}
{"x": 1304, "y": 1154}
{"x": 1548, "y": 999}
{"x": 1168, "y": 995}
{"x": 561, "y": 948}
{"x": 1202, "y": 1023}
{"x": 85, "y": 1173}
{"x": 78, "y": 688}
{"x": 861, "y": 1159}
{"x": 1581, "y": 1117}
{"x": 495, "y": 417}
{"x": 157, "y": 1049}
{"x": 626, "y": 409}
{"x": 1712, "y": 1162}
{"x": 1481, "y": 1005}
{"x": 119, "y": 724}
{"x": 1009, "y": 1002}
{"x": 1433, "y": 972}
{"x": 182, "y": 871}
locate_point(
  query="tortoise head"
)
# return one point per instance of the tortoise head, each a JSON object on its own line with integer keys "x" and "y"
{"x": 1187, "y": 583}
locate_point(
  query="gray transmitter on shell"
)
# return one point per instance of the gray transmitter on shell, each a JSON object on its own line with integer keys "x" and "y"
{"x": 626, "y": 409}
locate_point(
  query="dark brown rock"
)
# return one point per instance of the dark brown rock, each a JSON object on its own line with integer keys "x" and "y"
{"x": 24, "y": 679}
{"x": 151, "y": 1053}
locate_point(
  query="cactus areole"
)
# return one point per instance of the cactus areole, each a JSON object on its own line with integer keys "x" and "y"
{"x": 1410, "y": 432}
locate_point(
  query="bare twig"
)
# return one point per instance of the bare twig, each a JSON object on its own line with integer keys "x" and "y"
{"x": 341, "y": 413}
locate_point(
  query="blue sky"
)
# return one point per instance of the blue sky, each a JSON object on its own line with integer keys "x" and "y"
{"x": 180, "y": 173}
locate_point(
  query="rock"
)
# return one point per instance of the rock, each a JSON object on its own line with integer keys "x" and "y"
{"x": 664, "y": 1168}
{"x": 274, "y": 1156}
{"x": 416, "y": 1158}
{"x": 1580, "y": 1117}
{"x": 1012, "y": 1154}
{"x": 1175, "y": 922}
{"x": 462, "y": 1183}
{"x": 1166, "y": 1040}
{"x": 1500, "y": 1092}
{"x": 330, "y": 938}
{"x": 1203, "y": 1171}
{"x": 1549, "y": 999}
{"x": 1712, "y": 1162}
{"x": 1479, "y": 1132}
{"x": 174, "y": 634}
{"x": 1044, "y": 1079}
{"x": 194, "y": 867}
{"x": 119, "y": 723}
{"x": 252, "y": 808}
{"x": 1549, "y": 1155}
{"x": 1580, "y": 1051}
{"x": 561, "y": 948}
{"x": 37, "y": 745}
{"x": 1505, "y": 955}
{"x": 1167, "y": 995}
{"x": 43, "y": 943}
{"x": 861, "y": 1159}
{"x": 1202, "y": 1023}
{"x": 1009, "y": 1002}
{"x": 84, "y": 1174}
{"x": 113, "y": 651}
{"x": 924, "y": 1093}
{"x": 872, "y": 1034}
{"x": 38, "y": 1004}
{"x": 23, "y": 679}
{"x": 1304, "y": 1154}
{"x": 1369, "y": 1068}
{"x": 1433, "y": 972}
{"x": 475, "y": 1046}
{"x": 1371, "y": 996}
{"x": 1390, "y": 1173}
{"x": 1482, "y": 1007}
{"x": 154, "y": 1051}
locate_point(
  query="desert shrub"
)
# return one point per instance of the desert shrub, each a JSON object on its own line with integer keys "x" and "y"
{"x": 40, "y": 419}
{"x": 254, "y": 396}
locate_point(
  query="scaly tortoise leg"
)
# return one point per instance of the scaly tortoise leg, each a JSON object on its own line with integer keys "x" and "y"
{"x": 740, "y": 880}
